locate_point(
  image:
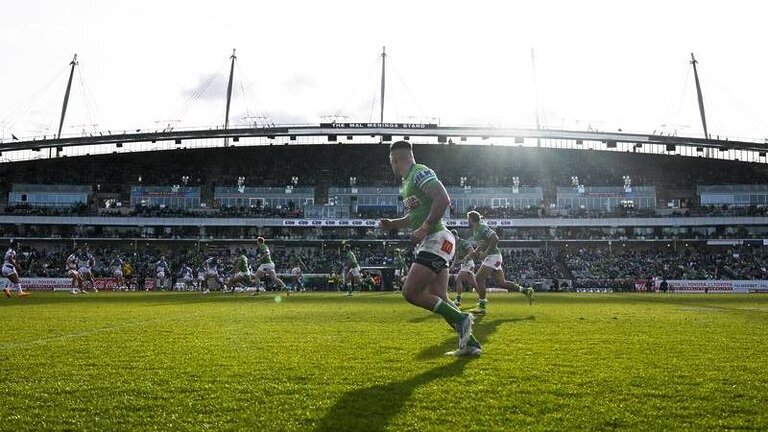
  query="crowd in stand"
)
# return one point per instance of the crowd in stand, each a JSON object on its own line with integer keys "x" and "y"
{"x": 585, "y": 268}
{"x": 292, "y": 211}
{"x": 599, "y": 266}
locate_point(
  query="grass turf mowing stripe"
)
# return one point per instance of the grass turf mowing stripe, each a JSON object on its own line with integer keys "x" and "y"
{"x": 372, "y": 362}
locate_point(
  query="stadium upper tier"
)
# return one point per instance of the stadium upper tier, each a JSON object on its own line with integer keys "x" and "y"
{"x": 334, "y": 165}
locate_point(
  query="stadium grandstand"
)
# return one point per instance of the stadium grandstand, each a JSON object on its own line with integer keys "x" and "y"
{"x": 567, "y": 219}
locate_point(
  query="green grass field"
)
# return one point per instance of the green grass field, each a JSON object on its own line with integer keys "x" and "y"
{"x": 169, "y": 361}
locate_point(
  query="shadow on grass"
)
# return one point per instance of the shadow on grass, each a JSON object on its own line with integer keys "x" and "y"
{"x": 482, "y": 330}
{"x": 372, "y": 408}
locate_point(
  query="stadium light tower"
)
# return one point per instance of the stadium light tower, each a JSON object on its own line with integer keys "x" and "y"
{"x": 73, "y": 63}
{"x": 229, "y": 93}
{"x": 383, "y": 76}
{"x": 700, "y": 96}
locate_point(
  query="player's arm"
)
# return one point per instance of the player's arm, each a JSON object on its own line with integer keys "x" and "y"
{"x": 395, "y": 224}
{"x": 470, "y": 253}
{"x": 440, "y": 202}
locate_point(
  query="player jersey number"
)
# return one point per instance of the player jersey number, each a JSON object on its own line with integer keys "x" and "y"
{"x": 447, "y": 246}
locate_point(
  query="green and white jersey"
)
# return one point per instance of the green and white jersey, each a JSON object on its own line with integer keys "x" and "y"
{"x": 415, "y": 201}
{"x": 482, "y": 233}
{"x": 242, "y": 264}
{"x": 264, "y": 254}
{"x": 462, "y": 248}
{"x": 351, "y": 260}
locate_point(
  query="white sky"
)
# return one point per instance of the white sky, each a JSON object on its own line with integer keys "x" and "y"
{"x": 608, "y": 64}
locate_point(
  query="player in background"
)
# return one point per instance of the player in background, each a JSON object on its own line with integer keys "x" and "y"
{"x": 201, "y": 276}
{"x": 187, "y": 277}
{"x": 489, "y": 254}
{"x": 297, "y": 266}
{"x": 266, "y": 266}
{"x": 72, "y": 273}
{"x": 352, "y": 275}
{"x": 211, "y": 266}
{"x": 401, "y": 270}
{"x": 11, "y": 270}
{"x": 426, "y": 200}
{"x": 117, "y": 272}
{"x": 85, "y": 263}
{"x": 463, "y": 258}
{"x": 242, "y": 274}
{"x": 162, "y": 270}
{"x": 128, "y": 275}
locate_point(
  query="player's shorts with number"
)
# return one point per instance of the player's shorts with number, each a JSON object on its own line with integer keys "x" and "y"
{"x": 441, "y": 243}
{"x": 493, "y": 261}
{"x": 354, "y": 272}
{"x": 264, "y": 268}
{"x": 468, "y": 267}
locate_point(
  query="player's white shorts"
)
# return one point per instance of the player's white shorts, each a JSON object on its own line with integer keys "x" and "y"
{"x": 354, "y": 272}
{"x": 211, "y": 274}
{"x": 296, "y": 271}
{"x": 242, "y": 275}
{"x": 441, "y": 243}
{"x": 117, "y": 273}
{"x": 186, "y": 280}
{"x": 84, "y": 272}
{"x": 467, "y": 266}
{"x": 8, "y": 270}
{"x": 493, "y": 261}
{"x": 264, "y": 268}
{"x": 161, "y": 275}
{"x": 400, "y": 272}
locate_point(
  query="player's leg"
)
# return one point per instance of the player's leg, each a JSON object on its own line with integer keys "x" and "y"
{"x": 349, "y": 280}
{"x": 481, "y": 277}
{"x": 13, "y": 277}
{"x": 257, "y": 279}
{"x": 277, "y": 280}
{"x": 468, "y": 344}
{"x": 460, "y": 280}
{"x": 206, "y": 284}
{"x": 498, "y": 277}
{"x": 76, "y": 281}
{"x": 428, "y": 290}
